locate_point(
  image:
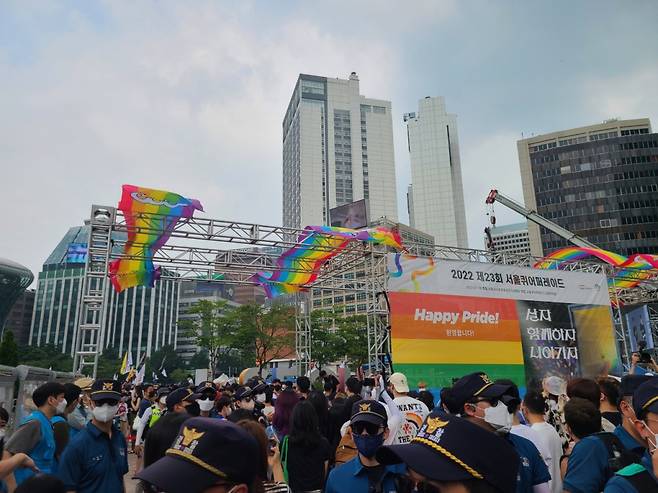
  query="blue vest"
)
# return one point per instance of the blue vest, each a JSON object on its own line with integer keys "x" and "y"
{"x": 43, "y": 454}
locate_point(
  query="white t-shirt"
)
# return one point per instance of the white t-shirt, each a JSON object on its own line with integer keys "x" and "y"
{"x": 414, "y": 412}
{"x": 552, "y": 441}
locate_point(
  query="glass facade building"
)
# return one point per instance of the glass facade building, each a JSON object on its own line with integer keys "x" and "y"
{"x": 137, "y": 319}
{"x": 600, "y": 182}
{"x": 14, "y": 279}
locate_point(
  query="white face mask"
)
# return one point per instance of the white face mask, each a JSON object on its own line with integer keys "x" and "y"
{"x": 61, "y": 406}
{"x": 3, "y": 432}
{"x": 260, "y": 397}
{"x": 206, "y": 404}
{"x": 652, "y": 445}
{"x": 163, "y": 400}
{"x": 498, "y": 417}
{"x": 105, "y": 412}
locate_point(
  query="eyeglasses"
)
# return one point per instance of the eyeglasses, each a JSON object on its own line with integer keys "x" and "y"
{"x": 370, "y": 428}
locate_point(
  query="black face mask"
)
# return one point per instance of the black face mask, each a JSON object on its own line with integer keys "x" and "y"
{"x": 193, "y": 409}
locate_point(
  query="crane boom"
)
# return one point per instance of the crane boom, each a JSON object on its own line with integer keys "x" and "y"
{"x": 496, "y": 196}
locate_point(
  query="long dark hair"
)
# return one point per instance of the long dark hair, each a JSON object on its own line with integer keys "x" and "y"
{"x": 304, "y": 429}
{"x": 283, "y": 407}
{"x": 321, "y": 406}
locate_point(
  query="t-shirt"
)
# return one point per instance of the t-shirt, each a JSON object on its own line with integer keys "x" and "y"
{"x": 414, "y": 412}
{"x": 532, "y": 469}
{"x": 553, "y": 443}
{"x": 587, "y": 469}
{"x": 306, "y": 465}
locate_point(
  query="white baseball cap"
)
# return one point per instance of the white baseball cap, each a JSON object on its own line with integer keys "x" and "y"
{"x": 399, "y": 382}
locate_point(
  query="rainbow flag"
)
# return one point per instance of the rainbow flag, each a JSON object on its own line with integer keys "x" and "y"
{"x": 151, "y": 216}
{"x": 300, "y": 266}
{"x": 633, "y": 269}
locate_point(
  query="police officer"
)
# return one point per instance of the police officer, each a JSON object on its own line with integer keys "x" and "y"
{"x": 97, "y": 458}
{"x": 243, "y": 398}
{"x": 640, "y": 477}
{"x": 180, "y": 399}
{"x": 480, "y": 401}
{"x": 451, "y": 454}
{"x": 208, "y": 393}
{"x": 35, "y": 435}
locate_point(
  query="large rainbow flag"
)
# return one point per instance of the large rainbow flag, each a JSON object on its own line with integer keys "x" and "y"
{"x": 633, "y": 269}
{"x": 301, "y": 264}
{"x": 151, "y": 216}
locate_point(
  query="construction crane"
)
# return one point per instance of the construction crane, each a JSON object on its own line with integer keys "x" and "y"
{"x": 496, "y": 196}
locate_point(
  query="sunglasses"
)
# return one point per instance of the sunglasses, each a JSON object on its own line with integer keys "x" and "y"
{"x": 109, "y": 402}
{"x": 370, "y": 428}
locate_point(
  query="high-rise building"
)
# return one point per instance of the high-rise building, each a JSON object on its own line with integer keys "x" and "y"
{"x": 337, "y": 148}
{"x": 599, "y": 182}
{"x": 510, "y": 238}
{"x": 14, "y": 279}
{"x": 436, "y": 196}
{"x": 20, "y": 317}
{"x": 137, "y": 319}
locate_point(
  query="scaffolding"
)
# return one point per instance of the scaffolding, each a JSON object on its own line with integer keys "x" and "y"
{"x": 204, "y": 249}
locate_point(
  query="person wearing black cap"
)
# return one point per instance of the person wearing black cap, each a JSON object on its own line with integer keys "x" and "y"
{"x": 208, "y": 456}
{"x": 451, "y": 455}
{"x": 97, "y": 458}
{"x": 482, "y": 403}
{"x": 208, "y": 393}
{"x": 180, "y": 399}
{"x": 243, "y": 398}
{"x": 627, "y": 432}
{"x": 640, "y": 477}
{"x": 364, "y": 473}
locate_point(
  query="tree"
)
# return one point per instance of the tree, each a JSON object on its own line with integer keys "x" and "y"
{"x": 164, "y": 358}
{"x": 353, "y": 335}
{"x": 46, "y": 356}
{"x": 199, "y": 360}
{"x": 326, "y": 345}
{"x": 211, "y": 329}
{"x": 265, "y": 333}
{"x": 8, "y": 349}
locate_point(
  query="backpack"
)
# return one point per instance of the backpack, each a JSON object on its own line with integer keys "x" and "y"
{"x": 639, "y": 478}
{"x": 618, "y": 456}
{"x": 346, "y": 449}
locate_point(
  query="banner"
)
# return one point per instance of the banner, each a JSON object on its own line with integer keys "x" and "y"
{"x": 639, "y": 328}
{"x": 450, "y": 318}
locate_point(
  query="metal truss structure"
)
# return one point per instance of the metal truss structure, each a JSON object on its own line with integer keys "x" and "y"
{"x": 208, "y": 249}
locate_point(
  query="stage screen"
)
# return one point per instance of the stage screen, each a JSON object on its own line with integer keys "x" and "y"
{"x": 450, "y": 318}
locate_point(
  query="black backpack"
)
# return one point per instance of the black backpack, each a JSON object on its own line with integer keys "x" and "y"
{"x": 618, "y": 456}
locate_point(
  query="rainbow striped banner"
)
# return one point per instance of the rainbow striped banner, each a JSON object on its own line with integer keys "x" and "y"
{"x": 300, "y": 265}
{"x": 634, "y": 269}
{"x": 151, "y": 216}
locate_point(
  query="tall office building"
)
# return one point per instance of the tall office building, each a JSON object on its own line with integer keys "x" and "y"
{"x": 20, "y": 317}
{"x": 599, "y": 182}
{"x": 436, "y": 196}
{"x": 510, "y": 238}
{"x": 137, "y": 319}
{"x": 337, "y": 148}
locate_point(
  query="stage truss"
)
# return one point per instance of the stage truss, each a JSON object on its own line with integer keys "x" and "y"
{"x": 203, "y": 249}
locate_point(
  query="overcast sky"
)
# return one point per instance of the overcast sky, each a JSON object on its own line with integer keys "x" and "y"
{"x": 189, "y": 96}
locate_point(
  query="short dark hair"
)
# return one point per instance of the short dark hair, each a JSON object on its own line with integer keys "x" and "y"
{"x": 449, "y": 402}
{"x": 72, "y": 392}
{"x": 4, "y": 414}
{"x": 610, "y": 389}
{"x": 161, "y": 435}
{"x": 534, "y": 401}
{"x": 241, "y": 414}
{"x": 582, "y": 416}
{"x": 354, "y": 385}
{"x": 303, "y": 383}
{"x": 49, "y": 389}
{"x": 222, "y": 402}
{"x": 585, "y": 388}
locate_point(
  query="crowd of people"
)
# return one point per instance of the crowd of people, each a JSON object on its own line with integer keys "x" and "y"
{"x": 368, "y": 435}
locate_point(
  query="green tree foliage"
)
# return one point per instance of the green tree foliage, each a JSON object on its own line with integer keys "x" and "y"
{"x": 335, "y": 337}
{"x": 46, "y": 356}
{"x": 264, "y": 333}
{"x": 199, "y": 360}
{"x": 8, "y": 349}
{"x": 167, "y": 355}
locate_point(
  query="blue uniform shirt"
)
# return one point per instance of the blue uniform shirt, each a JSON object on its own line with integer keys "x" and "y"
{"x": 93, "y": 462}
{"x": 587, "y": 469}
{"x": 532, "y": 468}
{"x": 631, "y": 444}
{"x": 352, "y": 477}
